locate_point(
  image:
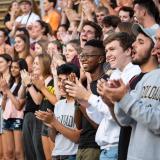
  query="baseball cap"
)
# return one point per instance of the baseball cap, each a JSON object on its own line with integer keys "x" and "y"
{"x": 149, "y": 32}
{"x": 25, "y": 1}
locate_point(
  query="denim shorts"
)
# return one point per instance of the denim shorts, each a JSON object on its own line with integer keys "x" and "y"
{"x": 12, "y": 124}
{"x": 68, "y": 157}
{"x": 110, "y": 154}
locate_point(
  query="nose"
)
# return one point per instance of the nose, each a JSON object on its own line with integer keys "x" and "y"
{"x": 134, "y": 44}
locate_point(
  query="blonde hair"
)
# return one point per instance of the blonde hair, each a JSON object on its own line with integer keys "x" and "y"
{"x": 45, "y": 63}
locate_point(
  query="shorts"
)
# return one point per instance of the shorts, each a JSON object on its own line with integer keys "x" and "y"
{"x": 68, "y": 157}
{"x": 88, "y": 154}
{"x": 12, "y": 124}
{"x": 44, "y": 131}
{"x": 110, "y": 154}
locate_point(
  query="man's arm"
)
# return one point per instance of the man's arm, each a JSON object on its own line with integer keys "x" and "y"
{"x": 144, "y": 113}
{"x": 72, "y": 134}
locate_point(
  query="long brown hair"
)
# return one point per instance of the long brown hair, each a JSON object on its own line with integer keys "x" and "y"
{"x": 45, "y": 63}
{"x": 24, "y": 38}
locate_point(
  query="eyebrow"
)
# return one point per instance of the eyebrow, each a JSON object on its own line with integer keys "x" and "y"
{"x": 140, "y": 40}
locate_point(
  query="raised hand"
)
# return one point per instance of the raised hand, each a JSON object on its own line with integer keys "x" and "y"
{"x": 38, "y": 82}
{"x": 46, "y": 116}
{"x": 3, "y": 85}
{"x": 26, "y": 78}
{"x": 77, "y": 90}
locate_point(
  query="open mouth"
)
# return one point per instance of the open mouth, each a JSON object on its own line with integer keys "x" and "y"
{"x": 84, "y": 40}
{"x": 133, "y": 53}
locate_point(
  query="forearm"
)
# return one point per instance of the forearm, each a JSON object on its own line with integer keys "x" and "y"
{"x": 71, "y": 134}
{"x": 3, "y": 104}
{"x": 52, "y": 133}
{"x": 36, "y": 96}
{"x": 83, "y": 110}
{"x": 145, "y": 113}
{"x": 12, "y": 33}
{"x": 18, "y": 104}
{"x": 64, "y": 18}
{"x": 51, "y": 97}
{"x": 78, "y": 118}
{"x": 57, "y": 93}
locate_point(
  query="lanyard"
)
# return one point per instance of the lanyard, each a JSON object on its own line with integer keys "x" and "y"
{"x": 27, "y": 18}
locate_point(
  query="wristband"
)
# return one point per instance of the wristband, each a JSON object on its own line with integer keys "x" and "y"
{"x": 29, "y": 85}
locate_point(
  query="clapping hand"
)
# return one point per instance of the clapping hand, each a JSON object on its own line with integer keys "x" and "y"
{"x": 46, "y": 117}
{"x": 3, "y": 85}
{"x": 26, "y": 78}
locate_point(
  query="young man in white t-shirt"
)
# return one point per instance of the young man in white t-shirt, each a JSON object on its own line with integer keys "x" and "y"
{"x": 63, "y": 128}
{"x": 28, "y": 16}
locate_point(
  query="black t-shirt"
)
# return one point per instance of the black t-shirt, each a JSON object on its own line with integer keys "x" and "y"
{"x": 45, "y": 103}
{"x": 6, "y": 19}
{"x": 30, "y": 106}
{"x": 87, "y": 136}
{"x": 125, "y": 132}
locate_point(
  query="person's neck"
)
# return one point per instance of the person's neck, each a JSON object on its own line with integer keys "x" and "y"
{"x": 50, "y": 11}
{"x": 124, "y": 64}
{"x": 149, "y": 66}
{"x": 69, "y": 99}
{"x": 46, "y": 76}
{"x": 26, "y": 13}
{"x": 148, "y": 22}
{"x": 97, "y": 73}
{"x": 17, "y": 79}
{"x": 21, "y": 54}
{"x": 39, "y": 38}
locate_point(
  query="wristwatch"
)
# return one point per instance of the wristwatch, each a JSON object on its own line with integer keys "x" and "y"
{"x": 29, "y": 85}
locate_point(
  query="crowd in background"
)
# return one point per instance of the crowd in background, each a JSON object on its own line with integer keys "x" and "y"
{"x": 81, "y": 81}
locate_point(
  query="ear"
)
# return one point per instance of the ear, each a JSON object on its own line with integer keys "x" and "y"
{"x": 101, "y": 59}
{"x": 128, "y": 51}
{"x": 143, "y": 11}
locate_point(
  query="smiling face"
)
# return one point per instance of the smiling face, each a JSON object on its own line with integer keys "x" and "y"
{"x": 19, "y": 45}
{"x": 37, "y": 67}
{"x": 89, "y": 59}
{"x": 38, "y": 49}
{"x": 61, "y": 84}
{"x": 61, "y": 32}
{"x": 141, "y": 51}
{"x": 4, "y": 65}
{"x": 115, "y": 55}
{"x": 70, "y": 52}
{"x": 15, "y": 70}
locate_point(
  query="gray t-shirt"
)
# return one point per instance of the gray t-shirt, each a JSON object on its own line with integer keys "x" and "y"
{"x": 64, "y": 113}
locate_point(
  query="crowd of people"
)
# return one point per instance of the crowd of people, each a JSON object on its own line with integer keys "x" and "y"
{"x": 81, "y": 81}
